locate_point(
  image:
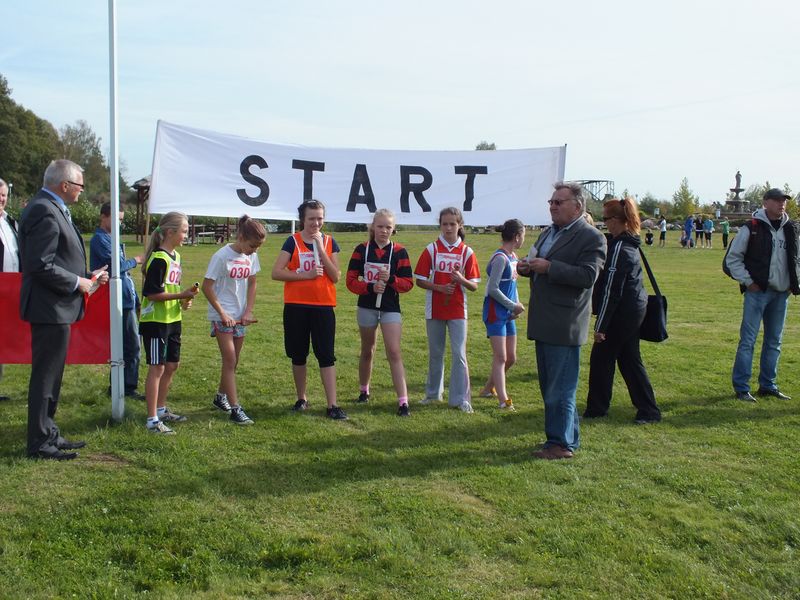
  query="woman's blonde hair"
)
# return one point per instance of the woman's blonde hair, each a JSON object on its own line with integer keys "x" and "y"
{"x": 381, "y": 212}
{"x": 172, "y": 221}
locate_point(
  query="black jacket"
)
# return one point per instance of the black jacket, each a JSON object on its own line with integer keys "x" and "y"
{"x": 620, "y": 285}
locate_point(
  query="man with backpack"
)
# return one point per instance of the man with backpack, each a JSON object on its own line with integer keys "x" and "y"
{"x": 763, "y": 258}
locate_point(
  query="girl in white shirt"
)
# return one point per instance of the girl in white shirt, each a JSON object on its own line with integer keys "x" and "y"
{"x": 230, "y": 287}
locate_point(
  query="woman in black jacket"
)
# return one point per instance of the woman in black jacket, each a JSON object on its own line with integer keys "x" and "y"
{"x": 619, "y": 301}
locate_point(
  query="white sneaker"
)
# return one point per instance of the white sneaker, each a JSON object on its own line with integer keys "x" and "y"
{"x": 160, "y": 427}
{"x": 465, "y": 407}
{"x": 427, "y": 401}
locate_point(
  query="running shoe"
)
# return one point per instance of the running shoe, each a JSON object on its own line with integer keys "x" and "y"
{"x": 336, "y": 413}
{"x": 239, "y": 417}
{"x": 300, "y": 405}
{"x": 160, "y": 427}
{"x": 403, "y": 411}
{"x": 363, "y": 398}
{"x": 171, "y": 417}
{"x": 221, "y": 402}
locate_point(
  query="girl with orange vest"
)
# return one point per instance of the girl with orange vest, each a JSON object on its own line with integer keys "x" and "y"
{"x": 308, "y": 264}
{"x": 445, "y": 269}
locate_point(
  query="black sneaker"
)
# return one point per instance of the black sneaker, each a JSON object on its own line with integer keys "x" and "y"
{"x": 336, "y": 413}
{"x": 221, "y": 402}
{"x": 300, "y": 405}
{"x": 402, "y": 411}
{"x": 239, "y": 417}
{"x": 363, "y": 398}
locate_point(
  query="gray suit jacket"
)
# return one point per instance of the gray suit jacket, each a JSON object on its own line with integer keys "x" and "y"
{"x": 51, "y": 255}
{"x": 561, "y": 300}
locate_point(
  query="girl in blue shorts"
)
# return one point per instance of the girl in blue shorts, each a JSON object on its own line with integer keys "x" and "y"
{"x": 501, "y": 306}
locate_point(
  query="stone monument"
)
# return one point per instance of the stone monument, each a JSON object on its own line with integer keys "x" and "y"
{"x": 737, "y": 205}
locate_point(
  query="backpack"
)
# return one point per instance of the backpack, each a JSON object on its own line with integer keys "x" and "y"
{"x": 753, "y": 224}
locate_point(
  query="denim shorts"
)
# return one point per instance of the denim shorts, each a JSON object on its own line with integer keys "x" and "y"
{"x": 370, "y": 317}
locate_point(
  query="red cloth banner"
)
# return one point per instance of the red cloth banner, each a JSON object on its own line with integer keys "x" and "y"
{"x": 89, "y": 342}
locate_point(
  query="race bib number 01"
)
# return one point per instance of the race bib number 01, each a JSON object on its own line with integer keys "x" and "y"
{"x": 447, "y": 262}
{"x": 307, "y": 262}
{"x": 372, "y": 271}
{"x": 174, "y": 274}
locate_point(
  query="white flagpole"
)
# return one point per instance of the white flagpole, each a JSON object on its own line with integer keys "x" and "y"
{"x": 115, "y": 302}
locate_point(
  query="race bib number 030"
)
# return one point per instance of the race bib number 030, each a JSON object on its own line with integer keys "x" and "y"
{"x": 238, "y": 269}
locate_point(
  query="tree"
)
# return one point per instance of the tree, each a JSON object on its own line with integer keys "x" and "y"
{"x": 791, "y": 205}
{"x": 648, "y": 205}
{"x": 684, "y": 200}
{"x": 27, "y": 145}
{"x": 81, "y": 145}
{"x": 484, "y": 145}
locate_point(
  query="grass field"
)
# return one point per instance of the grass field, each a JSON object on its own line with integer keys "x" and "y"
{"x": 705, "y": 504}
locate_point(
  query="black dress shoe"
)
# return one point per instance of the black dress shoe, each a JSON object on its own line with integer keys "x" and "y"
{"x": 745, "y": 396}
{"x": 776, "y": 393}
{"x": 57, "y": 455}
{"x": 67, "y": 445}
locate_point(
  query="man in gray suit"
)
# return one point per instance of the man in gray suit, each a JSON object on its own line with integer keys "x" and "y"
{"x": 9, "y": 249}
{"x": 563, "y": 266}
{"x": 54, "y": 281}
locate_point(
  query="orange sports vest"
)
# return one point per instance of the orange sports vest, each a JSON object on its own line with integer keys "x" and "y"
{"x": 316, "y": 292}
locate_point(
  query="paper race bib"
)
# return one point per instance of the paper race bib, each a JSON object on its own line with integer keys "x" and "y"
{"x": 238, "y": 268}
{"x": 174, "y": 274}
{"x": 307, "y": 262}
{"x": 447, "y": 262}
{"x": 372, "y": 271}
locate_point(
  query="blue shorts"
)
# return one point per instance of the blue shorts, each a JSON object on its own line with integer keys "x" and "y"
{"x": 501, "y": 328}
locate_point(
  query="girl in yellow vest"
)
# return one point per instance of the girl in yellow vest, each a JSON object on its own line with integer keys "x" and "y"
{"x": 308, "y": 264}
{"x": 160, "y": 321}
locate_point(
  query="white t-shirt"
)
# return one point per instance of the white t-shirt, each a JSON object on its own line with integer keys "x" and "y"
{"x": 230, "y": 271}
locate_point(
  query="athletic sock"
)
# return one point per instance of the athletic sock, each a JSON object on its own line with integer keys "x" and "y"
{"x": 151, "y": 421}
{"x": 402, "y": 400}
{"x": 161, "y": 410}
{"x": 365, "y": 388}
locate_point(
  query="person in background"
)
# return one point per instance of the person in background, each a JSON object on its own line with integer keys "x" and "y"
{"x": 699, "y": 240}
{"x": 688, "y": 228}
{"x": 763, "y": 258}
{"x": 619, "y": 300}
{"x": 99, "y": 255}
{"x": 662, "y": 232}
{"x": 9, "y": 245}
{"x": 567, "y": 261}
{"x": 55, "y": 284}
{"x": 725, "y": 225}
{"x": 708, "y": 229}
{"x": 648, "y": 237}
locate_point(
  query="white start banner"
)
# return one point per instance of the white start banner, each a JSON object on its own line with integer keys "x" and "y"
{"x": 200, "y": 172}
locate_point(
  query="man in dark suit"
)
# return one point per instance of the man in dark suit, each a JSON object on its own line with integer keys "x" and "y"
{"x": 9, "y": 248}
{"x": 567, "y": 260}
{"x": 54, "y": 281}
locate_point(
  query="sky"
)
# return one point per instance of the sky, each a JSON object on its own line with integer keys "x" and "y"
{"x": 643, "y": 94}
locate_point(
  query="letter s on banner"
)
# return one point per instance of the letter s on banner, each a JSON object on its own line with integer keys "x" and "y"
{"x": 254, "y": 160}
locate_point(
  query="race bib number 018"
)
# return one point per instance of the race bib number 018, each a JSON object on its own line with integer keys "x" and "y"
{"x": 447, "y": 262}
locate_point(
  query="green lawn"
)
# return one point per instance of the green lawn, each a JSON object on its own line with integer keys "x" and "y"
{"x": 705, "y": 504}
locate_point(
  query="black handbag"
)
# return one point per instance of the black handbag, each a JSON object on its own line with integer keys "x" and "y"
{"x": 654, "y": 326}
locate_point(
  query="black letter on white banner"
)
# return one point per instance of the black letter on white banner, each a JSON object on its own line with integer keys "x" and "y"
{"x": 406, "y": 187}
{"x": 244, "y": 169}
{"x": 308, "y": 167}
{"x": 469, "y": 186}
{"x": 361, "y": 180}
